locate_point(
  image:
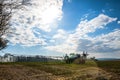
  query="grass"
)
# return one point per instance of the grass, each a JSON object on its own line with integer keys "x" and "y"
{"x": 91, "y": 70}
{"x": 112, "y": 67}
{"x": 109, "y": 64}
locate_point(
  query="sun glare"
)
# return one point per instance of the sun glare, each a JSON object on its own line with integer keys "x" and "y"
{"x": 50, "y": 15}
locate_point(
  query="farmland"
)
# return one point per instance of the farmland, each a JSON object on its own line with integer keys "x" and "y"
{"x": 91, "y": 70}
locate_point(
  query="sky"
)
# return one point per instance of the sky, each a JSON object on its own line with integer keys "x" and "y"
{"x": 57, "y": 27}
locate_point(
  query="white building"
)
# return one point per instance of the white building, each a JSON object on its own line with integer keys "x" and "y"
{"x": 7, "y": 58}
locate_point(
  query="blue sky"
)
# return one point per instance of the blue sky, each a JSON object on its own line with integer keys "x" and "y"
{"x": 57, "y": 27}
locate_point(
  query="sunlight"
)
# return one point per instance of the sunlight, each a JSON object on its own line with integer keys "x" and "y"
{"x": 50, "y": 14}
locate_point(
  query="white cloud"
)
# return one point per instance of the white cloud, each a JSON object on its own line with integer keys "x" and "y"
{"x": 105, "y": 45}
{"x": 61, "y": 44}
{"x": 118, "y": 22}
{"x": 52, "y": 41}
{"x": 37, "y": 17}
{"x": 62, "y": 48}
{"x": 25, "y": 37}
{"x": 61, "y": 34}
{"x": 41, "y": 14}
{"x": 90, "y": 26}
{"x": 110, "y": 40}
{"x": 79, "y": 40}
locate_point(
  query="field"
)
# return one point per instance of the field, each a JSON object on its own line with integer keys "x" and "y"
{"x": 91, "y": 70}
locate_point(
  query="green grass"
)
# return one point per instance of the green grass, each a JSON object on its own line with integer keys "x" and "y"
{"x": 56, "y": 68}
{"x": 110, "y": 66}
{"x": 49, "y": 67}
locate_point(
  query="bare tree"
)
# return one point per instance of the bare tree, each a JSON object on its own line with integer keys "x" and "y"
{"x": 3, "y": 43}
{"x": 7, "y": 9}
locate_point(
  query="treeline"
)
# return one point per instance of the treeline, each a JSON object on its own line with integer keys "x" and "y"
{"x": 33, "y": 59}
{"x": 77, "y": 58}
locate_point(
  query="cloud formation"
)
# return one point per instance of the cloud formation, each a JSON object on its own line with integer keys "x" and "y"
{"x": 118, "y": 22}
{"x": 102, "y": 43}
{"x": 27, "y": 24}
{"x": 79, "y": 40}
{"x": 98, "y": 22}
{"x": 32, "y": 26}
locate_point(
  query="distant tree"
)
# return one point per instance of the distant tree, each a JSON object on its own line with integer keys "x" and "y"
{"x": 66, "y": 58}
{"x": 84, "y": 57}
{"x": 72, "y": 54}
{"x": 78, "y": 55}
{"x": 71, "y": 58}
{"x": 93, "y": 58}
{"x": 7, "y": 9}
